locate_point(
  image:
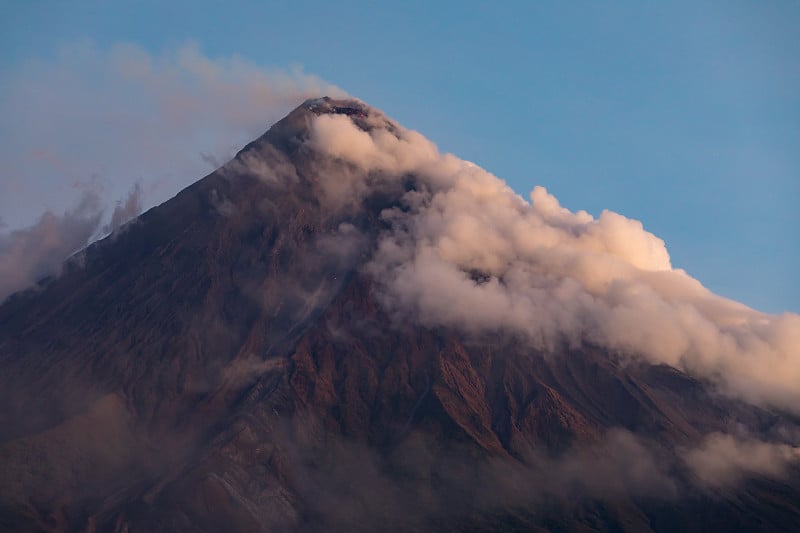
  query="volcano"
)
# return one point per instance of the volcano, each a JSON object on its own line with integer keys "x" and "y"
{"x": 343, "y": 329}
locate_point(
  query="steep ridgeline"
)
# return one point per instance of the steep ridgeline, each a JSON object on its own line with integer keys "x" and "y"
{"x": 299, "y": 342}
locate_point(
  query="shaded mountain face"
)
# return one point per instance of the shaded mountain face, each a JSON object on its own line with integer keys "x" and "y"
{"x": 317, "y": 336}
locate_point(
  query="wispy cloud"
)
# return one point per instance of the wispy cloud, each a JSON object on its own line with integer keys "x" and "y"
{"x": 122, "y": 115}
{"x": 31, "y": 253}
{"x": 723, "y": 460}
{"x": 114, "y": 117}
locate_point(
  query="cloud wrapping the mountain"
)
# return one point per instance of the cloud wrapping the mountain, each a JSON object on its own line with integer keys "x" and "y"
{"x": 465, "y": 250}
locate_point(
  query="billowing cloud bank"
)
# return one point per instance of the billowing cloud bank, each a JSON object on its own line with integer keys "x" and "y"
{"x": 466, "y": 251}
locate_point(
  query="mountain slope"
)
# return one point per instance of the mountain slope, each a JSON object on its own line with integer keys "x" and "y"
{"x": 235, "y": 359}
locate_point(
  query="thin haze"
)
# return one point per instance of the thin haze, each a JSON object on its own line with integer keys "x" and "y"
{"x": 94, "y": 128}
{"x": 107, "y": 118}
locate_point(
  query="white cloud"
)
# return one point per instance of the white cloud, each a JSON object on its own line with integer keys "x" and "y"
{"x": 466, "y": 251}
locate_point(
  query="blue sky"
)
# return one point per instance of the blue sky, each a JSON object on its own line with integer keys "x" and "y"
{"x": 684, "y": 115}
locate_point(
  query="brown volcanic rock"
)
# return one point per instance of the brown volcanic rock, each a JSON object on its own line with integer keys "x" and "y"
{"x": 223, "y": 365}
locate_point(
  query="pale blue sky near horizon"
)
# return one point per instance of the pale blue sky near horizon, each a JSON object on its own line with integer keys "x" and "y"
{"x": 684, "y": 115}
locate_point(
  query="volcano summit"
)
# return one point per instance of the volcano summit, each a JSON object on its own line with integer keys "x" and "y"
{"x": 344, "y": 329}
